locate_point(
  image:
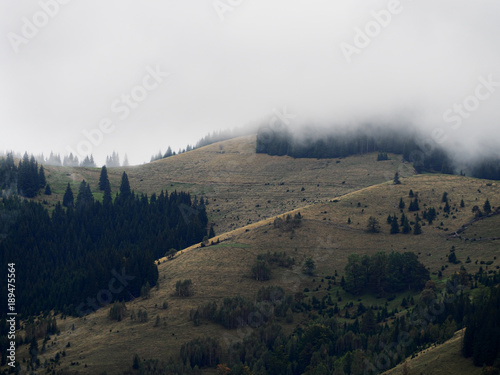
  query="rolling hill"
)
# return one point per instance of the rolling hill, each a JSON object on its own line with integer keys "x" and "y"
{"x": 239, "y": 183}
{"x": 242, "y": 187}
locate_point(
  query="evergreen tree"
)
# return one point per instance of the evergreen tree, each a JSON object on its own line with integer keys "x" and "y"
{"x": 309, "y": 266}
{"x": 107, "y": 199}
{"x": 487, "y": 207}
{"x": 373, "y": 225}
{"x": 410, "y": 194}
{"x": 417, "y": 228}
{"x": 462, "y": 203}
{"x": 446, "y": 207}
{"x": 211, "y": 233}
{"x": 41, "y": 178}
{"x": 125, "y": 191}
{"x": 401, "y": 203}
{"x": 406, "y": 226}
{"x": 396, "y": 179}
{"x": 168, "y": 153}
{"x": 394, "y": 225}
{"x": 48, "y": 191}
{"x": 68, "y": 198}
{"x": 84, "y": 199}
{"x": 103, "y": 179}
{"x": 445, "y": 197}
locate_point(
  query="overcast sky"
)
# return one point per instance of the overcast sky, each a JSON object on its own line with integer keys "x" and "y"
{"x": 159, "y": 72}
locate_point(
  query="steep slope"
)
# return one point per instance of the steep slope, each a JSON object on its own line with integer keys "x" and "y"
{"x": 224, "y": 270}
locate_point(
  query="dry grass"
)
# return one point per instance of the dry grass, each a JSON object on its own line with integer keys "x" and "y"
{"x": 242, "y": 187}
{"x": 444, "y": 359}
{"x": 224, "y": 270}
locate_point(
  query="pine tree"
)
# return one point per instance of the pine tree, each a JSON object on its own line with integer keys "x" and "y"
{"x": 48, "y": 191}
{"x": 41, "y": 178}
{"x": 84, "y": 198}
{"x": 462, "y": 203}
{"x": 125, "y": 191}
{"x": 373, "y": 225}
{"x": 445, "y": 197}
{"x": 394, "y": 225}
{"x": 103, "y": 179}
{"x": 68, "y": 199}
{"x": 211, "y": 233}
{"x": 446, "y": 208}
{"x": 417, "y": 228}
{"x": 487, "y": 207}
{"x": 406, "y": 226}
{"x": 401, "y": 203}
{"x": 107, "y": 199}
{"x": 410, "y": 194}
{"x": 396, "y": 179}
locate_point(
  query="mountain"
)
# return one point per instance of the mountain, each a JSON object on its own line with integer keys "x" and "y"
{"x": 249, "y": 199}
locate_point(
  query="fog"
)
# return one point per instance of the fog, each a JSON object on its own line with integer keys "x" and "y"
{"x": 139, "y": 76}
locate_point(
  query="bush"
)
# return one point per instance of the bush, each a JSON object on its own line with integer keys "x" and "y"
{"x": 117, "y": 311}
{"x": 309, "y": 266}
{"x": 184, "y": 288}
{"x": 261, "y": 270}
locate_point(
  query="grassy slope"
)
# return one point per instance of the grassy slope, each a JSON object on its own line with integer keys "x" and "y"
{"x": 236, "y": 179}
{"x": 219, "y": 271}
{"x": 444, "y": 359}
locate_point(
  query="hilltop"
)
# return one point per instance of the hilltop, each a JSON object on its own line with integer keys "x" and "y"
{"x": 242, "y": 187}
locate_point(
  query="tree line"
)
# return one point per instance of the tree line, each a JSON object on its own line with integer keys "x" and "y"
{"x": 384, "y": 273}
{"x": 344, "y": 142}
{"x": 25, "y": 179}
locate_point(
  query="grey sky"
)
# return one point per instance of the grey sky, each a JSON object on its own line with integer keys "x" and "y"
{"x": 264, "y": 54}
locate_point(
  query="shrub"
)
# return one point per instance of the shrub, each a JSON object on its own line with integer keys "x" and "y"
{"x": 184, "y": 288}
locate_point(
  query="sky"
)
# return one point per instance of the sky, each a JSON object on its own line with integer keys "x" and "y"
{"x": 93, "y": 77}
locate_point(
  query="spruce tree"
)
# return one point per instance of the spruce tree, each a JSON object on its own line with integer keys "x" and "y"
{"x": 487, "y": 207}
{"x": 84, "y": 198}
{"x": 394, "y": 225}
{"x": 125, "y": 191}
{"x": 406, "y": 226}
{"x": 48, "y": 190}
{"x": 373, "y": 225}
{"x": 211, "y": 233}
{"x": 103, "y": 179}
{"x": 41, "y": 177}
{"x": 445, "y": 197}
{"x": 68, "y": 199}
{"x": 396, "y": 179}
{"x": 107, "y": 199}
{"x": 446, "y": 208}
{"x": 401, "y": 203}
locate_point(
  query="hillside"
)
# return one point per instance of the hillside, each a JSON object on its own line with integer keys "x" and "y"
{"x": 444, "y": 359}
{"x": 242, "y": 187}
{"x": 224, "y": 270}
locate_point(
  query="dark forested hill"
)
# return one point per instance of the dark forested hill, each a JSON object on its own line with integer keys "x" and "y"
{"x": 71, "y": 256}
